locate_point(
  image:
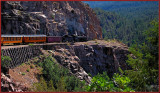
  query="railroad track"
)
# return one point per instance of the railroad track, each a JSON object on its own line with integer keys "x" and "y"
{"x": 33, "y": 44}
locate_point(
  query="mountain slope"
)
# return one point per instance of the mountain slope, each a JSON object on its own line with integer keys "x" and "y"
{"x": 132, "y": 19}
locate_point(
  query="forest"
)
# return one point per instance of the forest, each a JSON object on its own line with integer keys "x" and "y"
{"x": 125, "y": 21}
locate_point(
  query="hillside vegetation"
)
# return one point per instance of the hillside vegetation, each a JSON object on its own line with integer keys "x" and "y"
{"x": 125, "y": 21}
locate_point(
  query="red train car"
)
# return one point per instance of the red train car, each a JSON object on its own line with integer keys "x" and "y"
{"x": 51, "y": 39}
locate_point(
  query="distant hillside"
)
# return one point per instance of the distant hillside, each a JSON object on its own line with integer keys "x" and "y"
{"x": 126, "y": 7}
{"x": 129, "y": 19}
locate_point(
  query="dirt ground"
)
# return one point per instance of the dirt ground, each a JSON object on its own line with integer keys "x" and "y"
{"x": 26, "y": 74}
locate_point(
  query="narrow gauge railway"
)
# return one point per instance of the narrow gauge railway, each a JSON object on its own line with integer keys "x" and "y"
{"x": 25, "y": 39}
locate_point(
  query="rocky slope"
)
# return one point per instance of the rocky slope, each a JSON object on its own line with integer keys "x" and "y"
{"x": 93, "y": 57}
{"x": 8, "y": 85}
{"x": 53, "y": 18}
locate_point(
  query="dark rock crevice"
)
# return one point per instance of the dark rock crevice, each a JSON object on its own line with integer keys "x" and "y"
{"x": 99, "y": 58}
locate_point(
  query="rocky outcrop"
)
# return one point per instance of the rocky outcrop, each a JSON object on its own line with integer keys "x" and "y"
{"x": 53, "y": 18}
{"x": 9, "y": 85}
{"x": 90, "y": 57}
{"x": 66, "y": 57}
{"x": 96, "y": 59}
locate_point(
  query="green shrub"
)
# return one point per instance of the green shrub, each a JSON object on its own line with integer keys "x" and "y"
{"x": 42, "y": 86}
{"x": 61, "y": 85}
{"x": 53, "y": 72}
{"x": 23, "y": 73}
{"x": 30, "y": 44}
{"x": 102, "y": 83}
{"x": 27, "y": 70}
{"x": 32, "y": 66}
{"x": 5, "y": 61}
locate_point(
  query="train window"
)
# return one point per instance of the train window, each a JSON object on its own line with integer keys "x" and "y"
{"x": 5, "y": 39}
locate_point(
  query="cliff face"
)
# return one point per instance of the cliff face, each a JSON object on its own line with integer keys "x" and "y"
{"x": 92, "y": 57}
{"x": 53, "y": 18}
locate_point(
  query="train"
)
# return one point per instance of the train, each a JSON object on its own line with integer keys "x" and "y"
{"x": 25, "y": 39}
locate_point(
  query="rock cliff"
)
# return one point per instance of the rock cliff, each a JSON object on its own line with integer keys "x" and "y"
{"x": 53, "y": 18}
{"x": 92, "y": 57}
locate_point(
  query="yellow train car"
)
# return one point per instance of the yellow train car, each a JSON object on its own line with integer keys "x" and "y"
{"x": 34, "y": 38}
{"x": 11, "y": 39}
